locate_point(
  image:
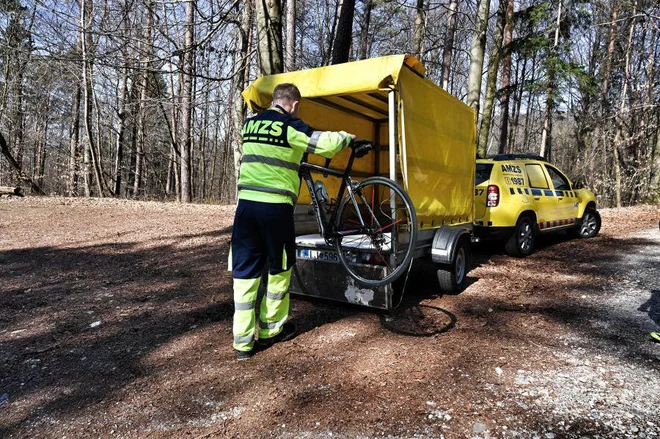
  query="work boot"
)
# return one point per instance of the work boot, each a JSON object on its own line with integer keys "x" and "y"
{"x": 244, "y": 355}
{"x": 288, "y": 332}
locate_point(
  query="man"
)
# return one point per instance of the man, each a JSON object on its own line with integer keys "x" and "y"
{"x": 274, "y": 142}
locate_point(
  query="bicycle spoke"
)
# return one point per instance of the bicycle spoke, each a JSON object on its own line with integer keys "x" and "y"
{"x": 368, "y": 230}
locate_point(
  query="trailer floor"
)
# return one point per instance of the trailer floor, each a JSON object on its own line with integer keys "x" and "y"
{"x": 115, "y": 321}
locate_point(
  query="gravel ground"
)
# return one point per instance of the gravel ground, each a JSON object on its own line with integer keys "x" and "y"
{"x": 115, "y": 321}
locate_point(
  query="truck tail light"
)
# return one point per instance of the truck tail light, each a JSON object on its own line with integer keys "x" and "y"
{"x": 493, "y": 198}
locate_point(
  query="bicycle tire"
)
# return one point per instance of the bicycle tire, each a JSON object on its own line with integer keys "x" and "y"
{"x": 375, "y": 241}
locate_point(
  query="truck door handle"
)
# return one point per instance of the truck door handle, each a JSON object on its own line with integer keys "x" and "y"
{"x": 537, "y": 198}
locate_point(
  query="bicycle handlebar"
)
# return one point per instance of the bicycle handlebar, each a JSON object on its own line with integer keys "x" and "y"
{"x": 360, "y": 148}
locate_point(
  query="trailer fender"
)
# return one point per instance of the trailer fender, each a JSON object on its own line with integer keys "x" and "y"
{"x": 445, "y": 240}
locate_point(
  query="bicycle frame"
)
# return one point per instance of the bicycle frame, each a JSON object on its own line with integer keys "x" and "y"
{"x": 306, "y": 169}
{"x": 327, "y": 227}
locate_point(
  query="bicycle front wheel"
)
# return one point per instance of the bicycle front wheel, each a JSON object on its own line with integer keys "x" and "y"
{"x": 375, "y": 232}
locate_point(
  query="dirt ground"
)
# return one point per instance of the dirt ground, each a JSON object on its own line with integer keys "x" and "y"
{"x": 115, "y": 321}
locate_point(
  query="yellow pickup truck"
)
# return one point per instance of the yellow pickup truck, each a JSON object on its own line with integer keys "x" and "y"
{"x": 519, "y": 196}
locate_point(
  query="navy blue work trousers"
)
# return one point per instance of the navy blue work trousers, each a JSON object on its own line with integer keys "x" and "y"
{"x": 263, "y": 232}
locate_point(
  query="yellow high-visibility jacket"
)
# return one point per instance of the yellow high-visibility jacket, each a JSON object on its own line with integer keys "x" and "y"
{"x": 273, "y": 146}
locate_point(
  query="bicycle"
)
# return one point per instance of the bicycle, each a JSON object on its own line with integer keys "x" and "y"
{"x": 373, "y": 225}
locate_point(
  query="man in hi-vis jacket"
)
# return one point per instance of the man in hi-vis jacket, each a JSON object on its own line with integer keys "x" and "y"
{"x": 274, "y": 142}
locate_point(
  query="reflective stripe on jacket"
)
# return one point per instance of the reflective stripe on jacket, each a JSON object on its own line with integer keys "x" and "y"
{"x": 273, "y": 145}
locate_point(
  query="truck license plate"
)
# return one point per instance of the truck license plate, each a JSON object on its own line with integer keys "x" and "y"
{"x": 323, "y": 255}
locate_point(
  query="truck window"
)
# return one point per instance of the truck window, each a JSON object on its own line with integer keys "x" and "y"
{"x": 536, "y": 176}
{"x": 558, "y": 180}
{"x": 483, "y": 172}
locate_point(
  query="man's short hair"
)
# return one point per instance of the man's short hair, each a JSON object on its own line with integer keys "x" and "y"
{"x": 286, "y": 92}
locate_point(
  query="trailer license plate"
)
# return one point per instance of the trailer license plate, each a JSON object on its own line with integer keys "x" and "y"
{"x": 323, "y": 255}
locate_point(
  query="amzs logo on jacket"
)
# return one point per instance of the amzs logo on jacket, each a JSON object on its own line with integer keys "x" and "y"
{"x": 267, "y": 127}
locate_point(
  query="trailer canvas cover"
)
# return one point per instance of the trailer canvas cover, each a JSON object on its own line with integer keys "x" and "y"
{"x": 435, "y": 131}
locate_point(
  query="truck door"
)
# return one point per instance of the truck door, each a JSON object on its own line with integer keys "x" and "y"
{"x": 567, "y": 202}
{"x": 546, "y": 203}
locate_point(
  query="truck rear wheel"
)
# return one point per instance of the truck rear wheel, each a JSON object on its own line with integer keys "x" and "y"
{"x": 521, "y": 242}
{"x": 453, "y": 277}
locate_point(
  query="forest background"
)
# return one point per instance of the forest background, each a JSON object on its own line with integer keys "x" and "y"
{"x": 141, "y": 98}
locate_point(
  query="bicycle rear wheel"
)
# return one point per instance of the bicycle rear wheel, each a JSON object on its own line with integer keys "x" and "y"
{"x": 375, "y": 232}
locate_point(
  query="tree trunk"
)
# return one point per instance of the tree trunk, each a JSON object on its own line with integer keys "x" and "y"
{"x": 290, "y": 52}
{"x": 491, "y": 85}
{"x": 477, "y": 57}
{"x": 623, "y": 110}
{"x": 517, "y": 104}
{"x": 242, "y": 65}
{"x": 269, "y": 36}
{"x": 655, "y": 165}
{"x": 651, "y": 190}
{"x": 122, "y": 109}
{"x": 91, "y": 160}
{"x": 204, "y": 135}
{"x": 341, "y": 47}
{"x": 418, "y": 30}
{"x": 121, "y": 131}
{"x": 546, "y": 134}
{"x": 601, "y": 133}
{"x": 611, "y": 40}
{"x": 40, "y": 162}
{"x": 142, "y": 106}
{"x": 171, "y": 166}
{"x": 186, "y": 103}
{"x": 74, "y": 143}
{"x": 528, "y": 106}
{"x": 448, "y": 50}
{"x": 174, "y": 136}
{"x": 506, "y": 78}
{"x": 4, "y": 148}
{"x": 364, "y": 33}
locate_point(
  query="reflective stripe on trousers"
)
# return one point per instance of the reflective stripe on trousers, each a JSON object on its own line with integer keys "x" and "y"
{"x": 274, "y": 310}
{"x": 275, "y": 305}
{"x": 245, "y": 297}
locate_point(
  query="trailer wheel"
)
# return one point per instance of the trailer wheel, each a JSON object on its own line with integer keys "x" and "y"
{"x": 453, "y": 277}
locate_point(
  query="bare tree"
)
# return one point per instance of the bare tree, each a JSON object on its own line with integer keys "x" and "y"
{"x": 187, "y": 102}
{"x": 449, "y": 44}
{"x": 364, "y": 33}
{"x": 418, "y": 29}
{"x": 74, "y": 135}
{"x": 269, "y": 35}
{"x": 4, "y": 148}
{"x": 145, "y": 64}
{"x": 506, "y": 78}
{"x": 91, "y": 161}
{"x": 341, "y": 46}
{"x": 241, "y": 67}
{"x": 546, "y": 135}
{"x": 491, "y": 85}
{"x": 122, "y": 110}
{"x": 290, "y": 52}
{"x": 477, "y": 56}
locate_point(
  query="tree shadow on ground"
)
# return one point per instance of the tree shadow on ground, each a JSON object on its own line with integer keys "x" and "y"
{"x": 148, "y": 298}
{"x": 583, "y": 276}
{"x": 590, "y": 265}
{"x": 78, "y": 324}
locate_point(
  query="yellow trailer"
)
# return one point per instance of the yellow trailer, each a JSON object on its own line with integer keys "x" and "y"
{"x": 424, "y": 140}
